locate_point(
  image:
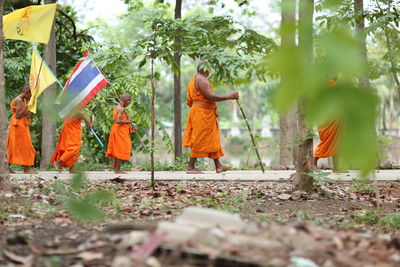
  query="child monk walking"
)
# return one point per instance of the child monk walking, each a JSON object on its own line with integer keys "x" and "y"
{"x": 119, "y": 144}
{"x": 69, "y": 142}
{"x": 19, "y": 144}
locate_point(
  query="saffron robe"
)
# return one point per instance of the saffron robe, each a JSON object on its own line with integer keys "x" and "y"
{"x": 69, "y": 143}
{"x": 19, "y": 144}
{"x": 329, "y": 135}
{"x": 201, "y": 130}
{"x": 119, "y": 143}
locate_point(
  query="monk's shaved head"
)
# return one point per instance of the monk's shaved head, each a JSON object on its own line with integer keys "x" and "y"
{"x": 201, "y": 65}
{"x": 26, "y": 88}
{"x": 125, "y": 96}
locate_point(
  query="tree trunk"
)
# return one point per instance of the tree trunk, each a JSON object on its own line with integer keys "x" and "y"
{"x": 287, "y": 124}
{"x": 304, "y": 156}
{"x": 48, "y": 121}
{"x": 177, "y": 87}
{"x": 4, "y": 175}
{"x": 363, "y": 79}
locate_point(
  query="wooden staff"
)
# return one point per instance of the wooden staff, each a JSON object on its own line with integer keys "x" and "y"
{"x": 251, "y": 135}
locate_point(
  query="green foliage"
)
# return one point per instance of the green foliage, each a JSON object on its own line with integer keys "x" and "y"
{"x": 231, "y": 203}
{"x": 383, "y": 143}
{"x": 363, "y": 185}
{"x": 53, "y": 261}
{"x": 368, "y": 216}
{"x": 320, "y": 176}
{"x": 80, "y": 202}
{"x": 391, "y": 221}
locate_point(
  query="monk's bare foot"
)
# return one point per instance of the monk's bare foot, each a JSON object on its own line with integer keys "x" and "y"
{"x": 57, "y": 164}
{"x": 72, "y": 171}
{"x": 29, "y": 171}
{"x": 194, "y": 171}
{"x": 222, "y": 168}
{"x": 11, "y": 171}
{"x": 120, "y": 172}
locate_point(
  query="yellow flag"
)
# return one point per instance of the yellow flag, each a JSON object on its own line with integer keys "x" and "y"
{"x": 40, "y": 78}
{"x": 32, "y": 23}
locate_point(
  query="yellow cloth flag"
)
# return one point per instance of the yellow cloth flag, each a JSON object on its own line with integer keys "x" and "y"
{"x": 40, "y": 78}
{"x": 32, "y": 23}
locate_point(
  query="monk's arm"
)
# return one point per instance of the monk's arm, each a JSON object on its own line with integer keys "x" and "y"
{"x": 87, "y": 122}
{"x": 119, "y": 119}
{"x": 20, "y": 110}
{"x": 204, "y": 87}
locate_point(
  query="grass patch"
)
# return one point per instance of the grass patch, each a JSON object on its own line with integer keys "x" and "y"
{"x": 391, "y": 221}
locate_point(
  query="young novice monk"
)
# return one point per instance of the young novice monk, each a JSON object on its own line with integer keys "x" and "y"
{"x": 19, "y": 145}
{"x": 69, "y": 142}
{"x": 119, "y": 143}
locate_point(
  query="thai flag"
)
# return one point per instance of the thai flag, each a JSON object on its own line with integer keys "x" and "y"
{"x": 84, "y": 83}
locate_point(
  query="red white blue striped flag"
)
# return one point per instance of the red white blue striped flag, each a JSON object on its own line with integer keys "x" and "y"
{"x": 84, "y": 83}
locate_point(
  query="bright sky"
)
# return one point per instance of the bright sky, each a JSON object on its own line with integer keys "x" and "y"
{"x": 91, "y": 9}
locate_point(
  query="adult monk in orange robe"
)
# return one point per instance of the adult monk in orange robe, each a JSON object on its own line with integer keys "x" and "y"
{"x": 119, "y": 143}
{"x": 69, "y": 142}
{"x": 329, "y": 134}
{"x": 202, "y": 131}
{"x": 19, "y": 144}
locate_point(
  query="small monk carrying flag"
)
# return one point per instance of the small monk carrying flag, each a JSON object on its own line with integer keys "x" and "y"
{"x": 69, "y": 142}
{"x": 202, "y": 131}
{"x": 85, "y": 82}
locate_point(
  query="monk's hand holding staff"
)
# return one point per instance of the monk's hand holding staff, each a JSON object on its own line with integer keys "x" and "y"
{"x": 234, "y": 95}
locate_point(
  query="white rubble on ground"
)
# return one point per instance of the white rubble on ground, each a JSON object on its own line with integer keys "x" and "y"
{"x": 223, "y": 235}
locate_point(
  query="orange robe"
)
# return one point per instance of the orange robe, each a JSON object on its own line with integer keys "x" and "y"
{"x": 202, "y": 131}
{"x": 119, "y": 143}
{"x": 329, "y": 136}
{"x": 69, "y": 143}
{"x": 19, "y": 143}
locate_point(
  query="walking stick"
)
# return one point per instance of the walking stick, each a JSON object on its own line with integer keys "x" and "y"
{"x": 251, "y": 135}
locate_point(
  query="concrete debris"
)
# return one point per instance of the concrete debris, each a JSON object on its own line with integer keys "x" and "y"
{"x": 208, "y": 218}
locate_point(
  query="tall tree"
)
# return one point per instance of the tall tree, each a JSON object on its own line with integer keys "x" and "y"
{"x": 177, "y": 85}
{"x": 48, "y": 122}
{"x": 360, "y": 29}
{"x": 302, "y": 180}
{"x": 288, "y": 120}
{"x": 4, "y": 175}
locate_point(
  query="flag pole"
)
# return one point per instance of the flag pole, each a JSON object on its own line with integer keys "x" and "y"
{"x": 44, "y": 62}
{"x": 95, "y": 135}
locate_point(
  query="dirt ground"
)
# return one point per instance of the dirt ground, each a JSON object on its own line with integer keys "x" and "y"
{"x": 38, "y": 229}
